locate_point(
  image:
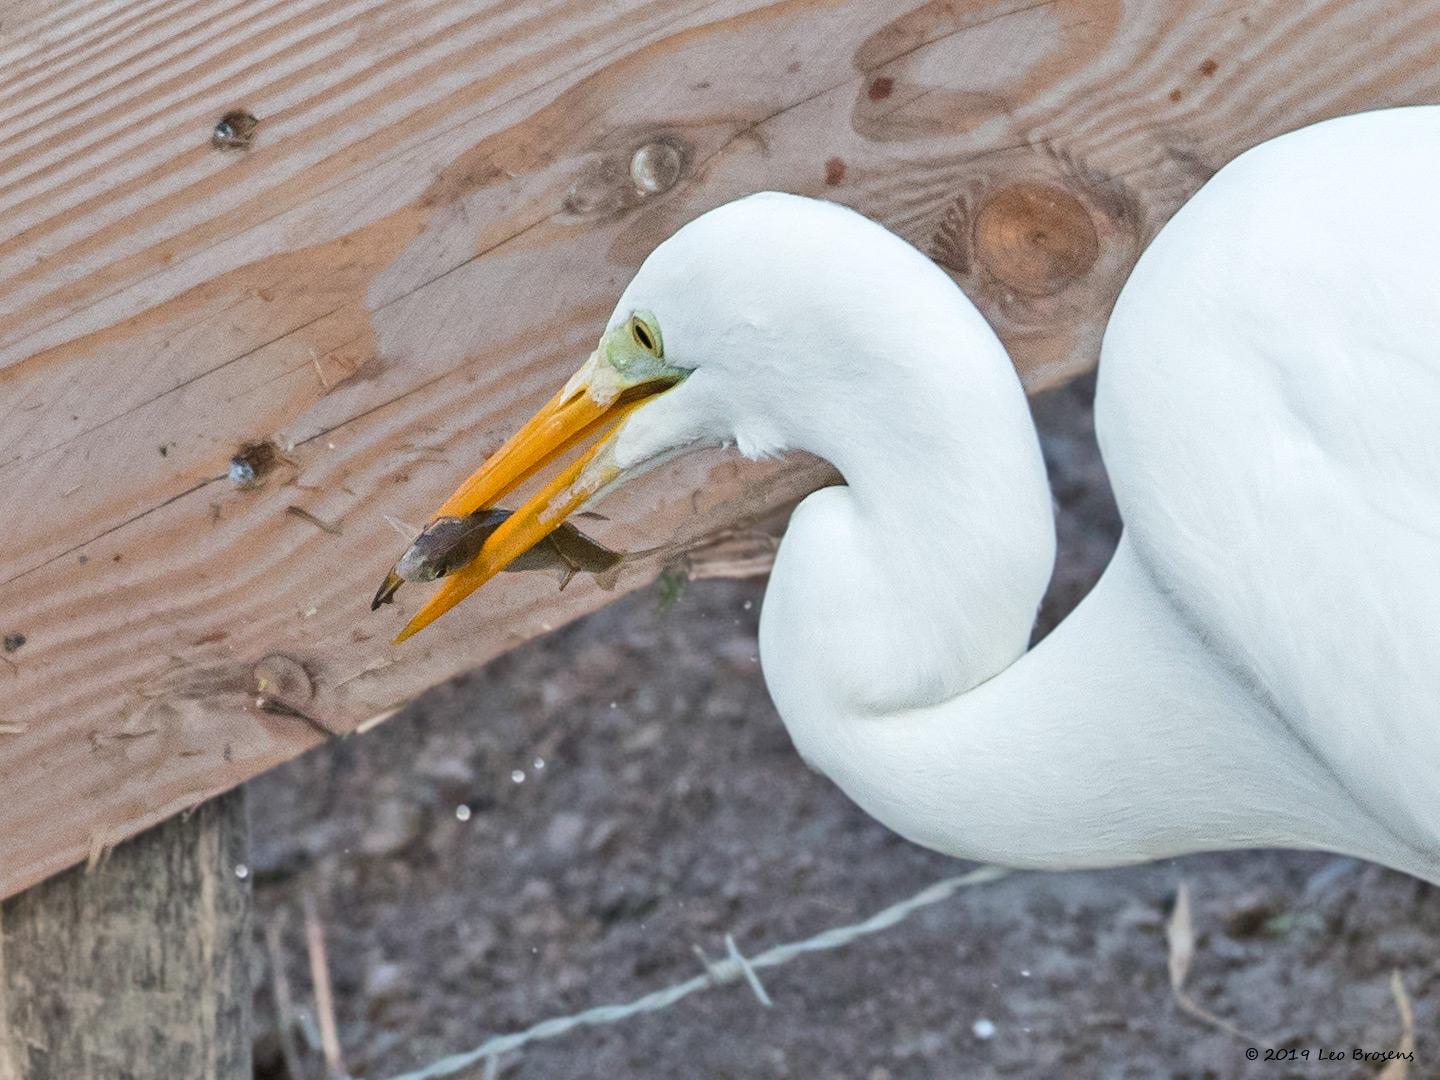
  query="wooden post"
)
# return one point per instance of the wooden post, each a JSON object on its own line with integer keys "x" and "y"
{"x": 137, "y": 968}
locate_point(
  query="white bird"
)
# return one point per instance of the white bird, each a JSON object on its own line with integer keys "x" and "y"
{"x": 1259, "y": 665}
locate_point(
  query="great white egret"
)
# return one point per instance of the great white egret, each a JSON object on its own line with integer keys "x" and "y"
{"x": 1259, "y": 665}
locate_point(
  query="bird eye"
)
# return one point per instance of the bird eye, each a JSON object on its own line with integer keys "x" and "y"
{"x": 643, "y": 335}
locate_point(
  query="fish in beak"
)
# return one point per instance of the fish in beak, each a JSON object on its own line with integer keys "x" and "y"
{"x": 626, "y": 370}
{"x": 448, "y": 543}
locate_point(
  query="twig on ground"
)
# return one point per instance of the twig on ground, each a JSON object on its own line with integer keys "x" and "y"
{"x": 284, "y": 1004}
{"x": 324, "y": 998}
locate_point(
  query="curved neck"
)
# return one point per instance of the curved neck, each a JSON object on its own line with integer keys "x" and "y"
{"x": 1117, "y": 739}
{"x": 921, "y": 577}
{"x": 893, "y": 642}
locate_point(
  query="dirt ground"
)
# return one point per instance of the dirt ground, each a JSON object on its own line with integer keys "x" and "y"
{"x": 631, "y": 795}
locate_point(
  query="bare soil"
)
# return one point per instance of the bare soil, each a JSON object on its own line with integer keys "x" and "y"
{"x": 631, "y": 794}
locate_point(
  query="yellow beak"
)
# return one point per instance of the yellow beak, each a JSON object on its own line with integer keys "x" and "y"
{"x": 574, "y": 414}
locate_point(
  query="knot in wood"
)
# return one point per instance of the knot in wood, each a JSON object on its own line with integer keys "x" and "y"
{"x": 1035, "y": 238}
{"x": 656, "y": 166}
{"x": 283, "y": 679}
{"x": 621, "y": 179}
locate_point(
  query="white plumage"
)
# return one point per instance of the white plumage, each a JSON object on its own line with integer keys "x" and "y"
{"x": 1260, "y": 664}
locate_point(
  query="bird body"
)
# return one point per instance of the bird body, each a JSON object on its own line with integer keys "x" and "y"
{"x": 1269, "y": 414}
{"x": 1257, "y": 666}
{"x": 1260, "y": 665}
{"x": 1275, "y": 447}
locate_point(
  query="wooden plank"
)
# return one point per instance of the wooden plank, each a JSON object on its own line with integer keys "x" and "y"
{"x": 432, "y": 221}
{"x": 137, "y": 967}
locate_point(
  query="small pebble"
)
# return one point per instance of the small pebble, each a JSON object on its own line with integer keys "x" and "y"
{"x": 984, "y": 1029}
{"x": 242, "y": 871}
{"x": 395, "y": 824}
{"x": 462, "y": 812}
{"x": 385, "y": 982}
{"x": 518, "y": 776}
{"x": 538, "y": 764}
{"x": 564, "y": 834}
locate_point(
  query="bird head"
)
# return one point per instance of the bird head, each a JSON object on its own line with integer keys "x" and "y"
{"x": 729, "y": 334}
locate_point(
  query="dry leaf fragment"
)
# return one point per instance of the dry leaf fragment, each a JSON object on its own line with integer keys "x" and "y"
{"x": 1180, "y": 939}
{"x": 1399, "y": 1069}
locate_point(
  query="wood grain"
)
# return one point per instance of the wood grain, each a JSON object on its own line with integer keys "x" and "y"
{"x": 433, "y": 219}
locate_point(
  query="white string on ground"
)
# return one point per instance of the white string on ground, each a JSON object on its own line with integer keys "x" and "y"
{"x": 748, "y": 970}
{"x": 719, "y": 970}
{"x": 733, "y": 968}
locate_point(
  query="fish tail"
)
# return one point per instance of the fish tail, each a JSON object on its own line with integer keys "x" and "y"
{"x": 608, "y": 578}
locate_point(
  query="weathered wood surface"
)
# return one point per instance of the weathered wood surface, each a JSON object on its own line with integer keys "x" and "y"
{"x": 137, "y": 967}
{"x": 433, "y": 219}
